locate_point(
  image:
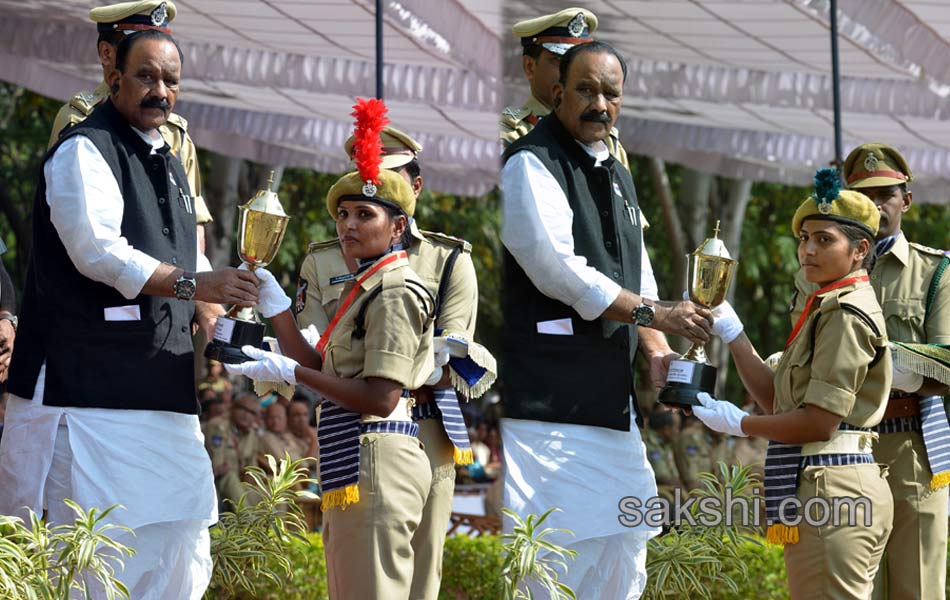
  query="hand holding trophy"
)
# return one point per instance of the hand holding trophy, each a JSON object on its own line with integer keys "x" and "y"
{"x": 261, "y": 226}
{"x": 710, "y": 271}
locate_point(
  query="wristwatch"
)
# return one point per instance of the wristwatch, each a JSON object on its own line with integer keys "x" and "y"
{"x": 12, "y": 318}
{"x": 186, "y": 286}
{"x": 643, "y": 314}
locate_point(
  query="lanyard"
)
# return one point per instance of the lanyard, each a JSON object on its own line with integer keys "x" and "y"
{"x": 827, "y": 288}
{"x": 325, "y": 338}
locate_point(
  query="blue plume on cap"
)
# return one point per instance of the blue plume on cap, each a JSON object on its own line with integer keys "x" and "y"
{"x": 827, "y": 185}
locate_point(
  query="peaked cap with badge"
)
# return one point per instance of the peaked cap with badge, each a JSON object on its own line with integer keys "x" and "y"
{"x": 129, "y": 17}
{"x": 875, "y": 165}
{"x": 559, "y": 32}
{"x": 399, "y": 149}
{"x": 831, "y": 203}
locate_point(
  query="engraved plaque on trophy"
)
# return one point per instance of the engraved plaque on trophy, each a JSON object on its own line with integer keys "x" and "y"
{"x": 710, "y": 270}
{"x": 261, "y": 226}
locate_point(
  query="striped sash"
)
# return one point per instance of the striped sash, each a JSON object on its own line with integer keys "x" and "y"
{"x": 339, "y": 436}
{"x": 446, "y": 408}
{"x": 936, "y": 434}
{"x": 782, "y": 463}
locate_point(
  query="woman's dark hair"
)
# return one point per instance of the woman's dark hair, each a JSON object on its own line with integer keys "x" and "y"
{"x": 596, "y": 47}
{"x": 855, "y": 234}
{"x": 128, "y": 42}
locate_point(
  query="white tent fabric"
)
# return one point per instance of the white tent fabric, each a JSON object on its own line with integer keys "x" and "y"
{"x": 744, "y": 89}
{"x": 273, "y": 80}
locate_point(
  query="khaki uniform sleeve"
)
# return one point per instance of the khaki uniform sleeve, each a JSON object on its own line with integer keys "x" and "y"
{"x": 459, "y": 310}
{"x": 66, "y": 116}
{"x": 937, "y": 322}
{"x": 398, "y": 345}
{"x": 309, "y": 302}
{"x": 843, "y": 349}
{"x": 690, "y": 458}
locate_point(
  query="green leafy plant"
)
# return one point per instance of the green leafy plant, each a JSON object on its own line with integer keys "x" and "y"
{"x": 471, "y": 568}
{"x": 530, "y": 557}
{"x": 39, "y": 562}
{"x": 694, "y": 560}
{"x": 251, "y": 544}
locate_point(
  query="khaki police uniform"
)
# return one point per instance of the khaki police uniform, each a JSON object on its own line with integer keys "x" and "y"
{"x": 369, "y": 544}
{"x": 915, "y": 559}
{"x": 174, "y": 131}
{"x": 318, "y": 293}
{"x": 228, "y": 446}
{"x": 276, "y": 444}
{"x": 829, "y": 365}
{"x": 692, "y": 450}
{"x": 660, "y": 455}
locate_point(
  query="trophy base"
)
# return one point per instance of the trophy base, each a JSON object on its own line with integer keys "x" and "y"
{"x": 685, "y": 381}
{"x": 229, "y": 336}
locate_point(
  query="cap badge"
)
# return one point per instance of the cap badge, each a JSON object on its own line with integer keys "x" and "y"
{"x": 824, "y": 207}
{"x": 576, "y": 26}
{"x": 369, "y": 189}
{"x": 159, "y": 16}
{"x": 870, "y": 163}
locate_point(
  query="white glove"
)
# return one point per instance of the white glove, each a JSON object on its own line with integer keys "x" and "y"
{"x": 265, "y": 366}
{"x": 726, "y": 323}
{"x": 272, "y": 299}
{"x": 905, "y": 380}
{"x": 724, "y": 417}
{"x": 311, "y": 334}
{"x": 440, "y": 354}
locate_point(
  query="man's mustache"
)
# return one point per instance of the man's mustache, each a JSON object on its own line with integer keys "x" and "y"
{"x": 156, "y": 102}
{"x": 595, "y": 116}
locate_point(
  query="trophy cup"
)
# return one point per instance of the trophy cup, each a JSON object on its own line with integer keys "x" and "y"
{"x": 710, "y": 271}
{"x": 261, "y": 227}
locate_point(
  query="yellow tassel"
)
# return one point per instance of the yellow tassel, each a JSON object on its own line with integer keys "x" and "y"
{"x": 782, "y": 534}
{"x": 464, "y": 457}
{"x": 342, "y": 497}
{"x": 940, "y": 480}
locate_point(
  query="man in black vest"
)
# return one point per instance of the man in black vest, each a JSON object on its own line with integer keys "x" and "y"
{"x": 103, "y": 407}
{"x": 577, "y": 288}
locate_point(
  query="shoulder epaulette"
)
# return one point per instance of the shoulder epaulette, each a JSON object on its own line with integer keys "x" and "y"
{"x": 926, "y": 249}
{"x": 178, "y": 121}
{"x": 314, "y": 246}
{"x": 513, "y": 115}
{"x": 447, "y": 239}
{"x": 84, "y": 102}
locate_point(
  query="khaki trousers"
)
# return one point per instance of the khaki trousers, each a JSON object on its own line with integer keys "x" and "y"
{"x": 368, "y": 544}
{"x": 429, "y": 539}
{"x": 838, "y": 561}
{"x": 915, "y": 561}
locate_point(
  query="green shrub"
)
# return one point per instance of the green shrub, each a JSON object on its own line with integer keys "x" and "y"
{"x": 472, "y": 568}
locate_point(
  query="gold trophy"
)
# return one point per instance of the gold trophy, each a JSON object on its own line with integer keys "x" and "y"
{"x": 261, "y": 226}
{"x": 710, "y": 269}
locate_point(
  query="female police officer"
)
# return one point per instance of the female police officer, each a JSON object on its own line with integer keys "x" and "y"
{"x": 828, "y": 389}
{"x": 378, "y": 344}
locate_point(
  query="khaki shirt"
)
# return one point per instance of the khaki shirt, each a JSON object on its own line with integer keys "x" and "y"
{"x": 901, "y": 279}
{"x": 827, "y": 365}
{"x": 397, "y": 344}
{"x": 660, "y": 455}
{"x": 226, "y": 445}
{"x": 174, "y": 131}
{"x": 692, "y": 450}
{"x": 318, "y": 293}
{"x": 276, "y": 444}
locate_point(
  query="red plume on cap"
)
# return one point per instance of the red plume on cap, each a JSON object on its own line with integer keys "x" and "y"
{"x": 367, "y": 148}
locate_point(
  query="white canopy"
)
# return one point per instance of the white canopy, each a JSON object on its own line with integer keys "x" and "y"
{"x": 273, "y": 80}
{"x": 744, "y": 89}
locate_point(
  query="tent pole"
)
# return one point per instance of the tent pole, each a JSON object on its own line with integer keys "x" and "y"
{"x": 379, "y": 49}
{"x": 836, "y": 82}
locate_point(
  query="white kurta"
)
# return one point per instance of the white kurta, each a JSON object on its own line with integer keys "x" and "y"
{"x": 153, "y": 463}
{"x": 584, "y": 471}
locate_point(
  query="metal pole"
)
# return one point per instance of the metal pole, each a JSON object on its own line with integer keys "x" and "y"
{"x": 836, "y": 82}
{"x": 379, "y": 49}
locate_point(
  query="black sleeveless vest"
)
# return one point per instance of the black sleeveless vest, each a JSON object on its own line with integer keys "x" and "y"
{"x": 145, "y": 364}
{"x": 585, "y": 378}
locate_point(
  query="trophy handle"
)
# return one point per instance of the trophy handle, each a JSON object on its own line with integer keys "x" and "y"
{"x": 696, "y": 353}
{"x": 242, "y": 313}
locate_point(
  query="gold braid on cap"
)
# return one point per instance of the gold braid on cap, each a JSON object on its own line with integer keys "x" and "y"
{"x": 367, "y": 147}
